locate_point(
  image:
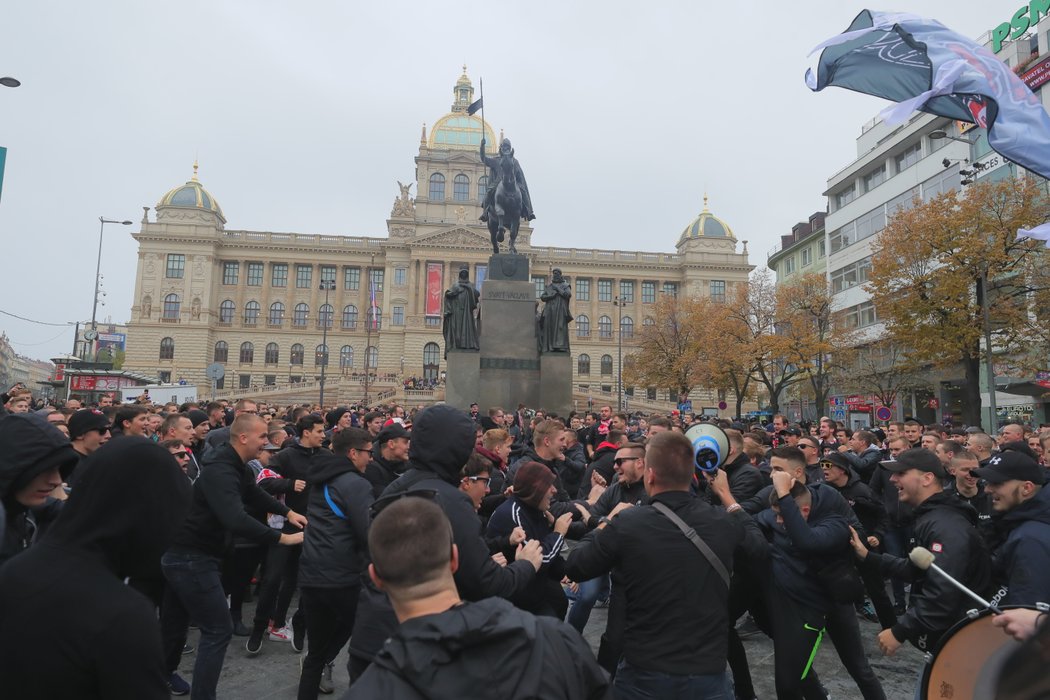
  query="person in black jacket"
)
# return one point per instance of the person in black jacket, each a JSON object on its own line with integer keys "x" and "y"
{"x": 445, "y": 644}
{"x": 389, "y": 457}
{"x": 901, "y": 515}
{"x": 192, "y": 566}
{"x": 602, "y": 461}
{"x": 862, "y": 454}
{"x": 335, "y": 553}
{"x": 677, "y": 618}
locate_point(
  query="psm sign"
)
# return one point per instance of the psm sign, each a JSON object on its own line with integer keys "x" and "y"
{"x": 1024, "y": 19}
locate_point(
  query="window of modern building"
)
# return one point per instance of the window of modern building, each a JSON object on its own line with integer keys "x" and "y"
{"x": 583, "y": 364}
{"x": 397, "y": 316}
{"x": 176, "y": 266}
{"x": 231, "y": 272}
{"x": 875, "y": 178}
{"x": 372, "y": 357}
{"x": 903, "y": 201}
{"x": 346, "y": 357}
{"x": 607, "y": 365}
{"x": 349, "y": 322}
{"x": 717, "y": 290}
{"x": 222, "y": 352}
{"x": 851, "y": 275}
{"x": 860, "y": 316}
{"x": 374, "y": 318}
{"x": 255, "y": 274}
{"x": 845, "y": 196}
{"x": 648, "y": 292}
{"x": 671, "y": 288}
{"x": 539, "y": 283}
{"x": 304, "y": 276}
{"x": 583, "y": 290}
{"x": 297, "y": 353}
{"x": 328, "y": 273}
{"x": 483, "y": 187}
{"x": 942, "y": 182}
{"x": 273, "y": 354}
{"x": 460, "y": 188}
{"x": 605, "y": 290}
{"x": 437, "y": 188}
{"x": 172, "y": 304}
{"x": 245, "y": 381}
{"x": 321, "y": 355}
{"x": 604, "y": 327}
{"x": 276, "y": 314}
{"x": 167, "y": 348}
{"x": 431, "y": 360}
{"x": 400, "y": 276}
{"x": 626, "y": 327}
{"x": 251, "y": 313}
{"x": 247, "y": 353}
{"x": 226, "y": 311}
{"x": 908, "y": 158}
{"x": 375, "y": 278}
{"x": 583, "y": 326}
{"x": 279, "y": 275}
{"x": 351, "y": 279}
{"x": 300, "y": 315}
{"x": 627, "y": 290}
{"x": 325, "y": 316}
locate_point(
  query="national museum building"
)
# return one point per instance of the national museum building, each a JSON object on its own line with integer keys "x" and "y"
{"x": 257, "y": 302}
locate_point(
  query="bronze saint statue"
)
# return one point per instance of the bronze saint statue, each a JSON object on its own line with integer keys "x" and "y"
{"x": 460, "y": 326}
{"x": 554, "y": 320}
{"x": 507, "y": 200}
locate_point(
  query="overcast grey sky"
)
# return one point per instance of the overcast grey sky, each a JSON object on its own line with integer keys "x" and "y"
{"x": 304, "y": 115}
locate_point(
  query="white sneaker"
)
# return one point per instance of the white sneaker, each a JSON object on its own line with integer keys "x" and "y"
{"x": 281, "y": 634}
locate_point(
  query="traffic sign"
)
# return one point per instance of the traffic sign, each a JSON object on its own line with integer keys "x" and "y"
{"x": 839, "y": 414}
{"x": 215, "y": 371}
{"x": 722, "y": 405}
{"x": 883, "y": 413}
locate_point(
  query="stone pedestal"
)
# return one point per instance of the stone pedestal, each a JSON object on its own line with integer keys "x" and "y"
{"x": 461, "y": 379}
{"x": 510, "y": 363}
{"x": 556, "y": 383}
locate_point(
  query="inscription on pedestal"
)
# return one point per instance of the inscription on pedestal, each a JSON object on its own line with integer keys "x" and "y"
{"x": 509, "y": 363}
{"x": 506, "y": 295}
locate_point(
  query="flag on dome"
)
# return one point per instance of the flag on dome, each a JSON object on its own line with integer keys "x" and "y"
{"x": 475, "y": 106}
{"x": 922, "y": 65}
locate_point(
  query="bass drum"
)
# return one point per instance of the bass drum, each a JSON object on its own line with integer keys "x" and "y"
{"x": 968, "y": 659}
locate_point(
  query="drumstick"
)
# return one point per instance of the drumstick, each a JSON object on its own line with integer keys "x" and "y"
{"x": 923, "y": 558}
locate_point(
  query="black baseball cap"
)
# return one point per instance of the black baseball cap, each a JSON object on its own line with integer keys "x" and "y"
{"x": 392, "y": 432}
{"x": 85, "y": 420}
{"x": 791, "y": 431}
{"x": 837, "y": 460}
{"x": 917, "y": 458}
{"x": 1010, "y": 465}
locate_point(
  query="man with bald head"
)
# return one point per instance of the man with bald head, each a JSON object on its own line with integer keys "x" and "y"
{"x": 1011, "y": 432}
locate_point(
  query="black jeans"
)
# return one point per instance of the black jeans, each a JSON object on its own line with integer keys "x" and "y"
{"x": 238, "y": 574}
{"x": 845, "y": 635}
{"x": 610, "y": 649}
{"x": 330, "y": 616}
{"x": 797, "y": 633}
{"x": 278, "y": 584}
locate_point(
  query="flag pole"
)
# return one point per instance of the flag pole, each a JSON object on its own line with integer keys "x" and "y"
{"x": 481, "y": 83}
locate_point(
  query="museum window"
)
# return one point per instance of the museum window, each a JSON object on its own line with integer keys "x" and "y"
{"x": 226, "y": 311}
{"x": 397, "y": 318}
{"x": 279, "y": 275}
{"x": 303, "y": 276}
{"x": 437, "y": 188}
{"x": 349, "y": 322}
{"x": 220, "y": 383}
{"x": 300, "y": 315}
{"x": 583, "y": 326}
{"x": 269, "y": 379}
{"x": 607, "y": 364}
{"x": 172, "y": 304}
{"x": 375, "y": 278}
{"x": 175, "y": 266}
{"x": 251, "y": 313}
{"x": 648, "y": 292}
{"x": 460, "y": 188}
{"x": 328, "y": 274}
{"x": 483, "y": 187}
{"x": 231, "y": 272}
{"x": 222, "y": 352}
{"x": 255, "y": 274}
{"x": 650, "y": 393}
{"x": 167, "y": 348}
{"x": 539, "y": 283}
{"x": 400, "y": 276}
{"x": 276, "y": 314}
{"x": 627, "y": 290}
{"x": 671, "y": 289}
{"x": 583, "y": 290}
{"x": 321, "y": 356}
{"x": 718, "y": 290}
{"x": 346, "y": 357}
{"x": 273, "y": 354}
{"x": 297, "y": 353}
{"x": 583, "y": 364}
{"x": 626, "y": 327}
{"x": 245, "y": 381}
{"x": 325, "y": 316}
{"x": 374, "y": 318}
{"x": 431, "y": 360}
{"x": 165, "y": 377}
{"x": 605, "y": 290}
{"x": 605, "y": 327}
{"x": 648, "y": 321}
{"x": 247, "y": 353}
{"x": 372, "y": 357}
{"x": 351, "y": 279}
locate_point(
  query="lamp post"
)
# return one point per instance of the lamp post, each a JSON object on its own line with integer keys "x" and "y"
{"x": 327, "y": 286}
{"x": 942, "y": 134}
{"x": 98, "y": 266}
{"x": 369, "y": 319}
{"x": 619, "y": 303}
{"x": 989, "y": 365}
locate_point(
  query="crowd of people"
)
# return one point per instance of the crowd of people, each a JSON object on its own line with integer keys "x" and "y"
{"x": 459, "y": 553}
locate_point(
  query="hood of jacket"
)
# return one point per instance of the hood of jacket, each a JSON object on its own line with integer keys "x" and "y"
{"x": 442, "y": 439}
{"x": 602, "y": 448}
{"x": 130, "y": 499}
{"x": 947, "y": 500}
{"x": 326, "y": 466}
{"x": 29, "y": 446}
{"x": 492, "y": 633}
{"x": 1036, "y": 509}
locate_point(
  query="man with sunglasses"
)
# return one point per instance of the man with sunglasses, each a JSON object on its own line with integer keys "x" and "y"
{"x": 88, "y": 431}
{"x": 811, "y": 448}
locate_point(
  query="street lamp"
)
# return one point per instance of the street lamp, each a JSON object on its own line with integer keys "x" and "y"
{"x": 619, "y": 303}
{"x": 942, "y": 134}
{"x": 98, "y": 263}
{"x": 327, "y": 286}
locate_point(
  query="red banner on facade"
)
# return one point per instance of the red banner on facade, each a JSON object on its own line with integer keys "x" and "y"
{"x": 434, "y": 289}
{"x": 1038, "y": 74}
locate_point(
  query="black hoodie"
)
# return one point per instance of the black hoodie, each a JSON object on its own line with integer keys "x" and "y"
{"x": 488, "y": 649}
{"x": 82, "y": 633}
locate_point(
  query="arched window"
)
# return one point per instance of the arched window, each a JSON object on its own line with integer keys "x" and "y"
{"x": 431, "y": 360}
{"x": 349, "y": 317}
{"x": 167, "y": 348}
{"x": 437, "y": 187}
{"x": 276, "y": 313}
{"x": 251, "y": 313}
{"x": 377, "y": 323}
{"x": 460, "y": 188}
{"x": 172, "y": 303}
{"x": 222, "y": 352}
{"x": 247, "y": 353}
{"x": 300, "y": 314}
{"x": 483, "y": 187}
{"x": 226, "y": 310}
{"x": 321, "y": 355}
{"x": 607, "y": 364}
{"x": 605, "y": 327}
{"x": 626, "y": 327}
{"x": 346, "y": 357}
{"x": 325, "y": 316}
{"x": 583, "y": 326}
{"x": 583, "y": 364}
{"x": 297, "y": 354}
{"x": 273, "y": 354}
{"x": 648, "y": 321}
{"x": 372, "y": 358}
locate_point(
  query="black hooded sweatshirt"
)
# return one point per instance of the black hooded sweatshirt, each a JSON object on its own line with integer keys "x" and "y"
{"x": 454, "y": 654}
{"x": 82, "y": 633}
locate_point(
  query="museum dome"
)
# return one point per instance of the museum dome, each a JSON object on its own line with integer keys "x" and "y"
{"x": 707, "y": 225}
{"x": 457, "y": 129}
{"x": 191, "y": 195}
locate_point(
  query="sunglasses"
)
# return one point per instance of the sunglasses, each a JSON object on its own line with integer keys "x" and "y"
{"x": 383, "y": 502}
{"x": 620, "y": 460}
{"x": 486, "y": 479}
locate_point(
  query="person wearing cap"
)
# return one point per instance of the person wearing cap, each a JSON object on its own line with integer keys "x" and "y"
{"x": 88, "y": 431}
{"x": 789, "y": 436}
{"x": 946, "y": 527}
{"x": 389, "y": 457}
{"x": 339, "y": 418}
{"x": 1015, "y": 483}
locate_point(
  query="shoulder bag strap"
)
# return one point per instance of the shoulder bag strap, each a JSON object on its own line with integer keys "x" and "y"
{"x": 689, "y": 532}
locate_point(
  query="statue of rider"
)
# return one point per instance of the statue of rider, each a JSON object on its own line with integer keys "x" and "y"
{"x": 505, "y": 151}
